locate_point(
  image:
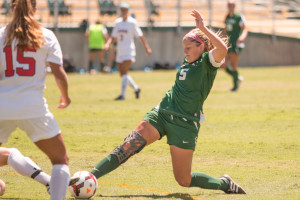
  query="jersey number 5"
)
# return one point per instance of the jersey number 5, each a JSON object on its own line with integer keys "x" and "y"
{"x": 182, "y": 75}
{"x": 21, "y": 59}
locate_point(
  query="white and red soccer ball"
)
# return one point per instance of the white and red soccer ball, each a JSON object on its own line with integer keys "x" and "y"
{"x": 85, "y": 187}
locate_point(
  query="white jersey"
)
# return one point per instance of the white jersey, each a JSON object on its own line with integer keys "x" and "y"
{"x": 22, "y": 77}
{"x": 125, "y": 31}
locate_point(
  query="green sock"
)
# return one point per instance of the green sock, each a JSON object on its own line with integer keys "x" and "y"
{"x": 90, "y": 65}
{"x": 205, "y": 181}
{"x": 235, "y": 75}
{"x": 106, "y": 165}
{"x": 228, "y": 70}
{"x": 102, "y": 64}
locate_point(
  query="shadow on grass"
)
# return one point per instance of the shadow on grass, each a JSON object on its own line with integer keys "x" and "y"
{"x": 154, "y": 196}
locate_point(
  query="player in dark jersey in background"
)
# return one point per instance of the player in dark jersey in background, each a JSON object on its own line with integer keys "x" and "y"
{"x": 180, "y": 112}
{"x": 237, "y": 32}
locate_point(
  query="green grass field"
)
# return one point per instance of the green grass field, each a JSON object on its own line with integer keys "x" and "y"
{"x": 252, "y": 135}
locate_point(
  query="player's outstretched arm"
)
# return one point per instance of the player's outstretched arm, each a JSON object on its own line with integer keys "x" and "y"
{"x": 62, "y": 83}
{"x": 220, "y": 50}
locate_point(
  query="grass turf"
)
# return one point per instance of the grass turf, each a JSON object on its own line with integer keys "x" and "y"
{"x": 252, "y": 135}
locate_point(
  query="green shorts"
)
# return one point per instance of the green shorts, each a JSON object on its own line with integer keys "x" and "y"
{"x": 180, "y": 132}
{"x": 235, "y": 49}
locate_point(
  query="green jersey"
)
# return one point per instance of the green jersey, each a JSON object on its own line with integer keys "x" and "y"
{"x": 234, "y": 26}
{"x": 192, "y": 86}
{"x": 96, "y": 36}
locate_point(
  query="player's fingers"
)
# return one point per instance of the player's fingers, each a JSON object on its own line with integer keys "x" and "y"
{"x": 62, "y": 106}
{"x": 196, "y": 13}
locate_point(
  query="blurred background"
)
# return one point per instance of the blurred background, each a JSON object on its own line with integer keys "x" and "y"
{"x": 273, "y": 25}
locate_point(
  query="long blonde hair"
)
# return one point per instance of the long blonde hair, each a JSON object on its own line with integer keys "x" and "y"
{"x": 207, "y": 43}
{"x": 24, "y": 26}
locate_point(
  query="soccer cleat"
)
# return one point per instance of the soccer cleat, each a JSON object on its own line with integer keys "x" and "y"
{"x": 233, "y": 187}
{"x": 48, "y": 188}
{"x": 235, "y": 89}
{"x": 72, "y": 181}
{"x": 120, "y": 98}
{"x": 137, "y": 93}
{"x": 240, "y": 79}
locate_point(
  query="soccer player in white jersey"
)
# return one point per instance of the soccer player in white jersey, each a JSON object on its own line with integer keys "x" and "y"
{"x": 26, "y": 48}
{"x": 126, "y": 28}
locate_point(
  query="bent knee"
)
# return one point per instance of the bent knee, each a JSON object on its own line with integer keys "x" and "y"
{"x": 184, "y": 181}
{"x": 4, "y": 154}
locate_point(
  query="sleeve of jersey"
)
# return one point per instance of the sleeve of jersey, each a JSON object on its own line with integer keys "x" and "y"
{"x": 137, "y": 30}
{"x": 104, "y": 30}
{"x": 54, "y": 51}
{"x": 212, "y": 60}
{"x": 114, "y": 32}
{"x": 242, "y": 21}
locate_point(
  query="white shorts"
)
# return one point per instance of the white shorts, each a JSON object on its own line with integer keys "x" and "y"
{"x": 121, "y": 57}
{"x": 37, "y": 128}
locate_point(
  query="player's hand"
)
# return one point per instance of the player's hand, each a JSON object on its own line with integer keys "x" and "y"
{"x": 198, "y": 19}
{"x": 239, "y": 41}
{"x": 106, "y": 47}
{"x": 149, "y": 51}
{"x": 64, "y": 102}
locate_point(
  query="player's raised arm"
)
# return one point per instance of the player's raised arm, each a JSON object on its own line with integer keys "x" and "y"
{"x": 220, "y": 50}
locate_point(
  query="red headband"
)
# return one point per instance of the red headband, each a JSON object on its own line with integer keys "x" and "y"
{"x": 195, "y": 37}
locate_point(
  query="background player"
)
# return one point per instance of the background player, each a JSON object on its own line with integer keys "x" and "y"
{"x": 97, "y": 36}
{"x": 25, "y": 50}
{"x": 180, "y": 112}
{"x": 126, "y": 28}
{"x": 236, "y": 30}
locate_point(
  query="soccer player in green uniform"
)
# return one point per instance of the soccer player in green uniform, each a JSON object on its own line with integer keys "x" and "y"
{"x": 236, "y": 30}
{"x": 180, "y": 112}
{"x": 97, "y": 36}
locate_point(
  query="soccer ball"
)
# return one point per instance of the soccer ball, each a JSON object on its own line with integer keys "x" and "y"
{"x": 85, "y": 187}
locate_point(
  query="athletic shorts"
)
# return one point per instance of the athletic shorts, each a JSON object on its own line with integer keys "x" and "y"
{"x": 37, "y": 128}
{"x": 95, "y": 50}
{"x": 179, "y": 131}
{"x": 235, "y": 49}
{"x": 121, "y": 57}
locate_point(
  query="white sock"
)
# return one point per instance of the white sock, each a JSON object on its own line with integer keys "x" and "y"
{"x": 124, "y": 84}
{"x": 26, "y": 167}
{"x": 59, "y": 182}
{"x": 132, "y": 83}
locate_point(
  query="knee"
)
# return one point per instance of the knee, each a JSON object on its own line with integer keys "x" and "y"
{"x": 183, "y": 181}
{"x": 63, "y": 159}
{"x": 4, "y": 154}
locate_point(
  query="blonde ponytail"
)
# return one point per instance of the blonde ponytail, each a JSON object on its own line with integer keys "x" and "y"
{"x": 24, "y": 26}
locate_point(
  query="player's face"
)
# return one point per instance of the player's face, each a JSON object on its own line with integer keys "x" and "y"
{"x": 192, "y": 50}
{"x": 124, "y": 12}
{"x": 231, "y": 7}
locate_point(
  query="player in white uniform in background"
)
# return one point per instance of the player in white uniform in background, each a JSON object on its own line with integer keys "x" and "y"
{"x": 126, "y": 28}
{"x": 26, "y": 48}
